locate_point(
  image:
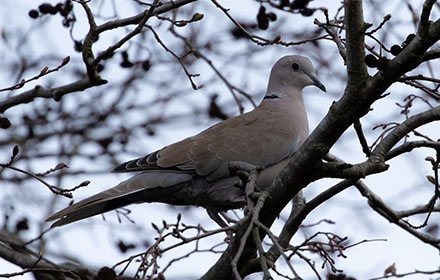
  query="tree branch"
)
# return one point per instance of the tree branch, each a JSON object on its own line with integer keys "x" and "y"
{"x": 380, "y": 207}
{"x": 13, "y": 250}
{"x": 38, "y": 91}
{"x": 292, "y": 225}
{"x": 391, "y": 139}
{"x": 355, "y": 32}
{"x": 93, "y": 77}
{"x": 356, "y": 101}
{"x": 409, "y": 146}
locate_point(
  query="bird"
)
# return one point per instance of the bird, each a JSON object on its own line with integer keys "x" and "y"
{"x": 195, "y": 171}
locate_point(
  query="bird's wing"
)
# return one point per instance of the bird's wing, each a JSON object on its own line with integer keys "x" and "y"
{"x": 256, "y": 138}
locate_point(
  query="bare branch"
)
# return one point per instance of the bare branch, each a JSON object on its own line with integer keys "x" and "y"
{"x": 331, "y": 30}
{"x": 179, "y": 59}
{"x": 260, "y": 40}
{"x": 42, "y": 73}
{"x": 380, "y": 207}
{"x": 147, "y": 14}
{"x": 388, "y": 142}
{"x": 417, "y": 210}
{"x": 400, "y": 275}
{"x": 355, "y": 29}
{"x": 293, "y": 224}
{"x": 56, "y": 93}
{"x": 409, "y": 146}
{"x": 424, "y": 17}
{"x": 166, "y": 7}
{"x": 385, "y": 19}
{"x": 231, "y": 87}
{"x": 358, "y": 128}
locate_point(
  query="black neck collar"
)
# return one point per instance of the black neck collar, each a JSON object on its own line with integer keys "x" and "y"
{"x": 272, "y": 96}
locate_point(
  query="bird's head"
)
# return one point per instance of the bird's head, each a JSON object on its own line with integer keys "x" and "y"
{"x": 293, "y": 71}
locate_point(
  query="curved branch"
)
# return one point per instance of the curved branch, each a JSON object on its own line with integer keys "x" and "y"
{"x": 163, "y": 8}
{"x": 376, "y": 162}
{"x": 13, "y": 250}
{"x": 355, "y": 103}
{"x": 380, "y": 207}
{"x": 409, "y": 146}
{"x": 292, "y": 225}
{"x": 382, "y": 150}
{"x": 417, "y": 210}
{"x": 426, "y": 11}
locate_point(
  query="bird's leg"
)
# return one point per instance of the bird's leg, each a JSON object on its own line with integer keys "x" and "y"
{"x": 243, "y": 170}
{"x": 216, "y": 218}
{"x": 243, "y": 176}
{"x": 234, "y": 166}
{"x": 227, "y": 218}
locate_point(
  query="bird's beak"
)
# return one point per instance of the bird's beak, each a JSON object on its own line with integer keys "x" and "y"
{"x": 317, "y": 83}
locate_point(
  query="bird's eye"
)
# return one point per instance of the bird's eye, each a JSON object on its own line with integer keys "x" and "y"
{"x": 295, "y": 66}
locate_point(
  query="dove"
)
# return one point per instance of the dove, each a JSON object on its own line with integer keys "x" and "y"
{"x": 195, "y": 171}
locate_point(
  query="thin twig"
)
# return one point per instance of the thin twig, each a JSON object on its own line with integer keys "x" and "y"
{"x": 278, "y": 246}
{"x": 231, "y": 87}
{"x": 358, "y": 128}
{"x": 179, "y": 59}
{"x": 260, "y": 40}
{"x": 380, "y": 207}
{"x": 45, "y": 71}
{"x": 137, "y": 30}
{"x": 400, "y": 275}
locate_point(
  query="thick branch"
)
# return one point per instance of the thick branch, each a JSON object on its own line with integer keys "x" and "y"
{"x": 355, "y": 103}
{"x": 355, "y": 29}
{"x": 13, "y": 250}
{"x": 424, "y": 17}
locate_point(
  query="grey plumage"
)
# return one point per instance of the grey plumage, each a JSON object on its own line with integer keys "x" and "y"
{"x": 195, "y": 171}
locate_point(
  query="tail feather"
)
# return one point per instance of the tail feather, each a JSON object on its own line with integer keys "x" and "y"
{"x": 220, "y": 195}
{"x": 93, "y": 208}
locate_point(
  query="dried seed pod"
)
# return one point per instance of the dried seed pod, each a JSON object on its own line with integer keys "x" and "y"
{"x": 395, "y": 50}
{"x": 262, "y": 18}
{"x": 307, "y": 12}
{"x": 371, "y": 61}
{"x": 5, "y": 123}
{"x": 272, "y": 16}
{"x": 47, "y": 8}
{"x": 33, "y": 13}
{"x": 382, "y": 63}
{"x": 408, "y": 40}
{"x": 78, "y": 46}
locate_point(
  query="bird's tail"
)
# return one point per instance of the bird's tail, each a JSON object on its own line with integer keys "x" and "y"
{"x": 220, "y": 195}
{"x": 95, "y": 205}
{"x": 144, "y": 187}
